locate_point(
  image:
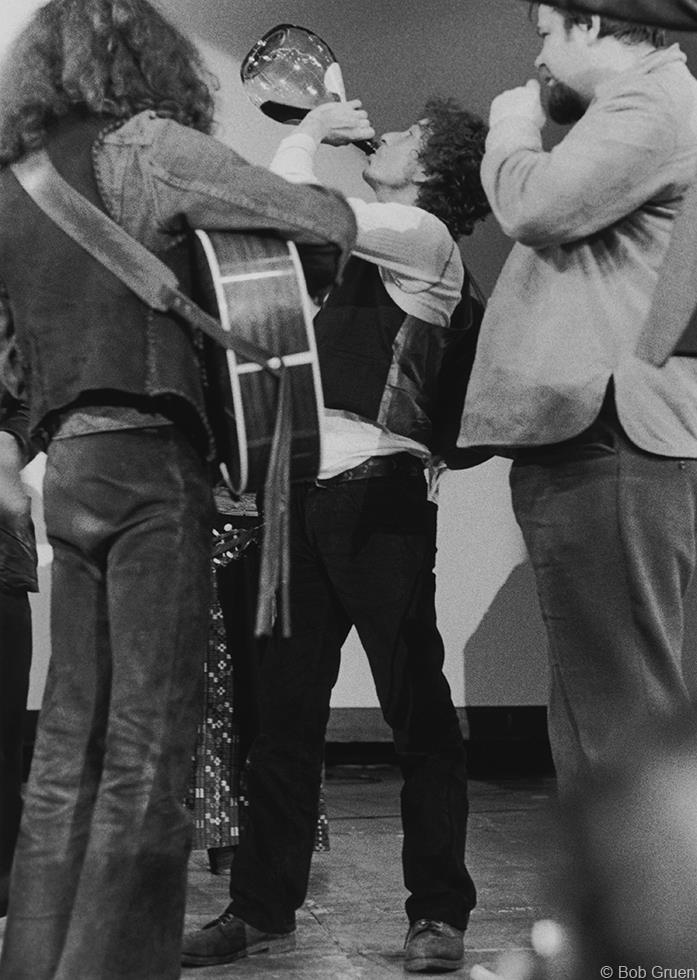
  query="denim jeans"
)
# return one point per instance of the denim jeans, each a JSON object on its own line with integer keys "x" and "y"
{"x": 98, "y": 884}
{"x": 612, "y": 537}
{"x": 15, "y": 663}
{"x": 362, "y": 554}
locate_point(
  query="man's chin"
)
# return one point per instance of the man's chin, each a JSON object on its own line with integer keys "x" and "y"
{"x": 367, "y": 173}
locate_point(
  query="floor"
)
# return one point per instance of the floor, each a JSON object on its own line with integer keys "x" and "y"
{"x": 352, "y": 925}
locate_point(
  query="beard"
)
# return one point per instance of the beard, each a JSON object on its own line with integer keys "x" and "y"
{"x": 565, "y": 105}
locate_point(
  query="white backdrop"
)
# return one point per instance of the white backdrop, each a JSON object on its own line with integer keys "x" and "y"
{"x": 480, "y": 550}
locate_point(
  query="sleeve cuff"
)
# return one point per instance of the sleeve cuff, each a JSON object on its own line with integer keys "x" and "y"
{"x": 513, "y": 133}
{"x": 300, "y": 141}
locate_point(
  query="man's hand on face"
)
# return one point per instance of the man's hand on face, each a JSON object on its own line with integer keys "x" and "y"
{"x": 523, "y": 102}
{"x": 14, "y": 501}
{"x": 338, "y": 123}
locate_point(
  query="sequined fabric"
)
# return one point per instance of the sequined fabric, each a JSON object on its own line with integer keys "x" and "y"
{"x": 216, "y": 793}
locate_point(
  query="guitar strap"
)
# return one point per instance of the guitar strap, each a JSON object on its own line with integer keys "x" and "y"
{"x": 130, "y": 261}
{"x": 157, "y": 286}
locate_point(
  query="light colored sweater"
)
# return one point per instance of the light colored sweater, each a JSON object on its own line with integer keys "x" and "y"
{"x": 592, "y": 220}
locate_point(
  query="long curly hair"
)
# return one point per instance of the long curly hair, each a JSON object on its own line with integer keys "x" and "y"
{"x": 451, "y": 155}
{"x": 110, "y": 57}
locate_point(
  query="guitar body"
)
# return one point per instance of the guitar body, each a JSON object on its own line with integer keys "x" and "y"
{"x": 254, "y": 285}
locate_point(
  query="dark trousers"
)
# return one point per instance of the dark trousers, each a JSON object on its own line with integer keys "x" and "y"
{"x": 15, "y": 662}
{"x": 362, "y": 554}
{"x": 612, "y": 537}
{"x": 98, "y": 883}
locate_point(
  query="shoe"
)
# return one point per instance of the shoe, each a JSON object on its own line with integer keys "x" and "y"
{"x": 227, "y": 939}
{"x": 433, "y": 946}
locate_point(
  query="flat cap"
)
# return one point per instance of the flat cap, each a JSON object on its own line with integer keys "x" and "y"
{"x": 677, "y": 15}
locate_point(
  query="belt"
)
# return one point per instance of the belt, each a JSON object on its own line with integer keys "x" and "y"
{"x": 376, "y": 466}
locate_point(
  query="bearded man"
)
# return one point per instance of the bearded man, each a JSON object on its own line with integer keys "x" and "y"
{"x": 604, "y": 478}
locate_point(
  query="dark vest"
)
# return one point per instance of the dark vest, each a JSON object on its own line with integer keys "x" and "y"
{"x": 394, "y": 369}
{"x": 83, "y": 336}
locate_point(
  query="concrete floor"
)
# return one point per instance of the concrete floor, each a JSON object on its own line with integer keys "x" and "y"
{"x": 352, "y": 926}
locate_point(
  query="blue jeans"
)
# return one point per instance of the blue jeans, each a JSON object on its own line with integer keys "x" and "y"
{"x": 98, "y": 884}
{"x": 362, "y": 554}
{"x": 612, "y": 537}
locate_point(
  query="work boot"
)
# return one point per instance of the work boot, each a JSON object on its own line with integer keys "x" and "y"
{"x": 433, "y": 947}
{"x": 229, "y": 938}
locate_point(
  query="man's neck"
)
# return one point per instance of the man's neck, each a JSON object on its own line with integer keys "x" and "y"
{"x": 396, "y": 195}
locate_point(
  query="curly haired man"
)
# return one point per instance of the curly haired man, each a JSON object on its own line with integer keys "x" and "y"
{"x": 363, "y": 540}
{"x": 123, "y": 106}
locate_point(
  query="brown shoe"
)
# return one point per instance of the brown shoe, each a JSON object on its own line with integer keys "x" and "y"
{"x": 229, "y": 938}
{"x": 433, "y": 947}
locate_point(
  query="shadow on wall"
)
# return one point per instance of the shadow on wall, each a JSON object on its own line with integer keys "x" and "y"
{"x": 509, "y": 642}
{"x": 511, "y": 637}
{"x": 507, "y": 651}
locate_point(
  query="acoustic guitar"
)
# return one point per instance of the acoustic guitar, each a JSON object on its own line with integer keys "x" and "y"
{"x": 255, "y": 287}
